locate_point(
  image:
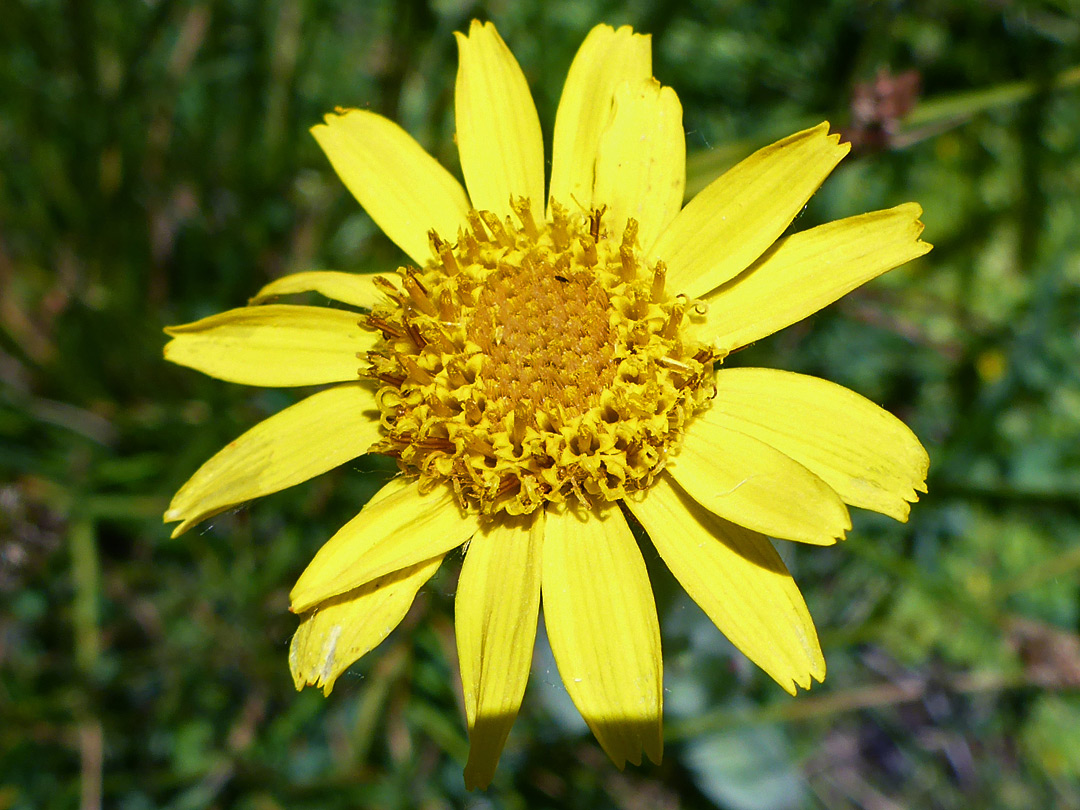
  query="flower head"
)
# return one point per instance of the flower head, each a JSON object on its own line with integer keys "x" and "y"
{"x": 548, "y": 368}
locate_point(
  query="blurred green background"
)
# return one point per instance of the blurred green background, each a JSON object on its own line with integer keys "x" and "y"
{"x": 156, "y": 168}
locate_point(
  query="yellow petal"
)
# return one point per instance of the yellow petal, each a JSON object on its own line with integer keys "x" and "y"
{"x": 355, "y": 289}
{"x": 749, "y": 483}
{"x": 741, "y": 213}
{"x": 738, "y": 579}
{"x": 340, "y": 630}
{"x": 867, "y": 455}
{"x": 641, "y": 168}
{"x": 601, "y": 621}
{"x": 302, "y": 441}
{"x": 399, "y": 527}
{"x": 497, "y": 606}
{"x": 273, "y": 345}
{"x": 606, "y": 59}
{"x": 498, "y": 130}
{"x": 809, "y": 270}
{"x": 404, "y": 189}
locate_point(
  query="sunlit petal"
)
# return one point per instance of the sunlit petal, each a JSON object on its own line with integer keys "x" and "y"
{"x": 495, "y": 615}
{"x": 738, "y": 579}
{"x": 607, "y": 59}
{"x": 867, "y": 455}
{"x": 273, "y": 345}
{"x": 298, "y": 443}
{"x": 641, "y": 165}
{"x": 398, "y": 528}
{"x": 601, "y": 622}
{"x": 404, "y": 189}
{"x": 355, "y": 289}
{"x": 754, "y": 485}
{"x": 809, "y": 270}
{"x": 741, "y": 213}
{"x": 498, "y": 131}
{"x": 338, "y": 631}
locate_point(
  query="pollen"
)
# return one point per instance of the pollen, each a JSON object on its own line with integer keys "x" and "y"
{"x": 527, "y": 364}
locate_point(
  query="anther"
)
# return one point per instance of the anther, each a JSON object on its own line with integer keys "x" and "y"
{"x": 668, "y": 362}
{"x": 477, "y": 225}
{"x": 521, "y": 421}
{"x": 434, "y": 443}
{"x": 671, "y": 328}
{"x": 658, "y": 279}
{"x": 588, "y": 251}
{"x": 416, "y": 373}
{"x": 387, "y": 286}
{"x": 418, "y": 294}
{"x": 509, "y": 483}
{"x": 481, "y": 446}
{"x": 473, "y": 414}
{"x": 559, "y": 221}
{"x": 626, "y": 250}
{"x": 594, "y": 222}
{"x": 444, "y": 253}
{"x": 524, "y": 214}
{"x": 441, "y": 409}
{"x": 414, "y": 334}
{"x": 448, "y": 310}
{"x": 556, "y": 415}
{"x": 384, "y": 326}
{"x": 437, "y": 338}
{"x": 498, "y": 230}
{"x": 471, "y": 247}
{"x": 391, "y": 379}
{"x": 456, "y": 376}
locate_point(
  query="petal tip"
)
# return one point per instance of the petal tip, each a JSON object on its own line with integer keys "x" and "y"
{"x": 299, "y": 599}
{"x": 915, "y": 209}
{"x": 805, "y": 679}
{"x": 654, "y": 748}
{"x": 478, "y": 776}
{"x": 476, "y": 27}
{"x": 832, "y": 138}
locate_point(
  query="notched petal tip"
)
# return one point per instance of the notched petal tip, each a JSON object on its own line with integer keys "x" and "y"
{"x": 476, "y": 28}
{"x": 915, "y": 211}
{"x": 806, "y": 679}
{"x": 340, "y": 630}
{"x": 341, "y": 111}
{"x": 832, "y": 137}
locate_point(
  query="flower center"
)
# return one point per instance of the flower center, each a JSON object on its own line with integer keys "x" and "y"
{"x": 545, "y": 337}
{"x": 529, "y": 364}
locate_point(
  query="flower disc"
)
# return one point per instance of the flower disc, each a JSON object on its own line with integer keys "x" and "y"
{"x": 525, "y": 364}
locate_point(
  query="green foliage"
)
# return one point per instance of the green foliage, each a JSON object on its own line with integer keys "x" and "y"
{"x": 157, "y": 168}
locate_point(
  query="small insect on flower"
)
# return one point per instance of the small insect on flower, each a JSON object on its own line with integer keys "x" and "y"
{"x": 547, "y": 367}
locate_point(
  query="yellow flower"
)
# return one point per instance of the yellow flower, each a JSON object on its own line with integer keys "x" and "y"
{"x": 545, "y": 372}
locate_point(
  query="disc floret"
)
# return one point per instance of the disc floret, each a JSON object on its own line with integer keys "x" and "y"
{"x": 525, "y": 364}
